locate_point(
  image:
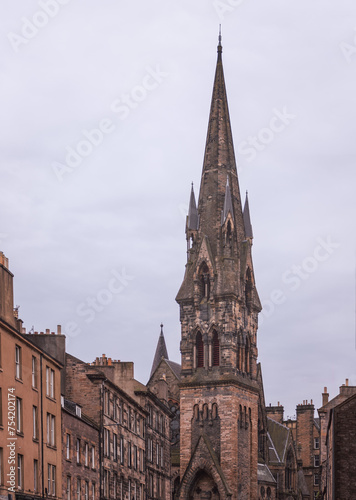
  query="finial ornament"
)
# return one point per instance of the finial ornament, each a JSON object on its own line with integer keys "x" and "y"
{"x": 161, "y": 325}
{"x": 219, "y": 46}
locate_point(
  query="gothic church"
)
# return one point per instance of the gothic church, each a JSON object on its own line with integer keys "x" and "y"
{"x": 218, "y": 389}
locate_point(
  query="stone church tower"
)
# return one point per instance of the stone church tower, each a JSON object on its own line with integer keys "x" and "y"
{"x": 221, "y": 394}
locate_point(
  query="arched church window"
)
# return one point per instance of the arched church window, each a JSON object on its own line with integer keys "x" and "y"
{"x": 190, "y": 242}
{"x": 240, "y": 416}
{"x": 205, "y": 412}
{"x": 214, "y": 411}
{"x": 248, "y": 288}
{"x": 228, "y": 233}
{"x": 216, "y": 349}
{"x": 204, "y": 282}
{"x": 247, "y": 356}
{"x": 196, "y": 412}
{"x": 200, "y": 350}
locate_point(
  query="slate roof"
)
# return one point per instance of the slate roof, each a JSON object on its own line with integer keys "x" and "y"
{"x": 264, "y": 474}
{"x": 71, "y": 407}
{"x": 278, "y": 436}
{"x": 176, "y": 367}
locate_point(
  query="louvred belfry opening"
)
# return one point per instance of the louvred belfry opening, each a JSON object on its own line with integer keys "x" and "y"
{"x": 200, "y": 351}
{"x": 216, "y": 350}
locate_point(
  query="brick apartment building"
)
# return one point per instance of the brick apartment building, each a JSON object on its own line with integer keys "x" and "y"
{"x": 80, "y": 454}
{"x": 79, "y": 430}
{"x": 134, "y": 450}
{"x": 30, "y": 409}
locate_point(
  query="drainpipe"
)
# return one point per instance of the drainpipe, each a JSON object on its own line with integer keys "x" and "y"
{"x": 41, "y": 399}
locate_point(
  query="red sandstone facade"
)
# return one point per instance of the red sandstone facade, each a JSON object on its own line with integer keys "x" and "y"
{"x": 338, "y": 444}
{"x": 30, "y": 408}
{"x": 80, "y": 454}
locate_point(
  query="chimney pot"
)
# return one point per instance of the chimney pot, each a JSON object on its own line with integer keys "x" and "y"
{"x": 47, "y": 331}
{"x": 59, "y": 330}
{"x": 347, "y": 382}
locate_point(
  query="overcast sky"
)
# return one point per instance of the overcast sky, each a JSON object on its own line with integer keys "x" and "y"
{"x": 104, "y": 111}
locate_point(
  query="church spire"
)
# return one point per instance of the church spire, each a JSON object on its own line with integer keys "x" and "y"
{"x": 219, "y": 164}
{"x": 161, "y": 351}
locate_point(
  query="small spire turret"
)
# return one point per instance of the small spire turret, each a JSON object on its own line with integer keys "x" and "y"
{"x": 247, "y": 220}
{"x": 161, "y": 351}
{"x": 193, "y": 217}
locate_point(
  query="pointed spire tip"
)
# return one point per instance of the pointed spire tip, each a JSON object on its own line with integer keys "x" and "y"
{"x": 219, "y": 45}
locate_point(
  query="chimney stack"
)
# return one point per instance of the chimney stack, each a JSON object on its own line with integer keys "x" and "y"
{"x": 6, "y": 292}
{"x": 325, "y": 396}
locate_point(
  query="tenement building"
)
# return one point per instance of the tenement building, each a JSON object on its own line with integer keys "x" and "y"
{"x": 75, "y": 430}
{"x": 80, "y": 453}
{"x": 30, "y": 407}
{"x": 338, "y": 444}
{"x": 134, "y": 455}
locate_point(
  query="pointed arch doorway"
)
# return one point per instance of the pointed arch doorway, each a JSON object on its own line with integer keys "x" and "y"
{"x": 203, "y": 487}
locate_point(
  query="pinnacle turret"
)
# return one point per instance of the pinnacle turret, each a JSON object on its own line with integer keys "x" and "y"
{"x": 247, "y": 220}
{"x": 193, "y": 217}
